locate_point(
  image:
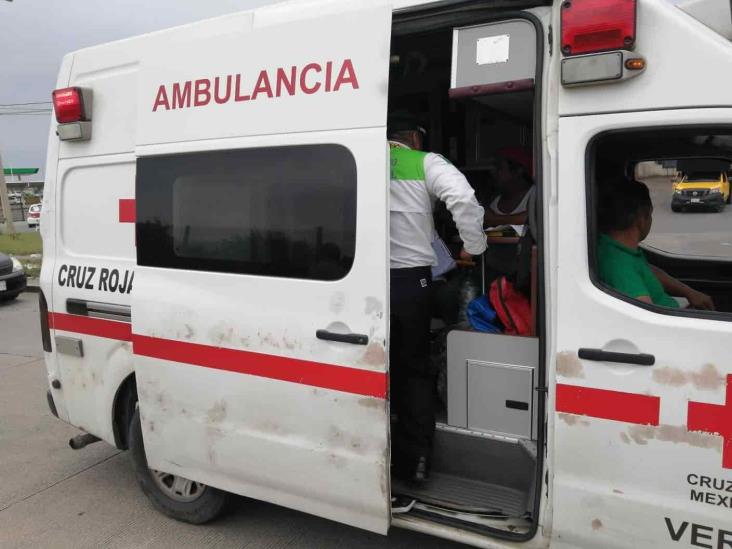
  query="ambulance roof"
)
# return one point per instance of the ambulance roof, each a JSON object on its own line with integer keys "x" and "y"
{"x": 278, "y": 10}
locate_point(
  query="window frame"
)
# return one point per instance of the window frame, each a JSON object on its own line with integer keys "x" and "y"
{"x": 208, "y": 264}
{"x": 592, "y": 232}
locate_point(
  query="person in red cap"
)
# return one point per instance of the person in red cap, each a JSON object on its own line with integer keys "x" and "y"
{"x": 513, "y": 178}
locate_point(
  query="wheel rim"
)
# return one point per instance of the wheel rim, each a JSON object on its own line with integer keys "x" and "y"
{"x": 178, "y": 488}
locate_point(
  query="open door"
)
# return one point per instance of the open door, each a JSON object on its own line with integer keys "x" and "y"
{"x": 260, "y": 303}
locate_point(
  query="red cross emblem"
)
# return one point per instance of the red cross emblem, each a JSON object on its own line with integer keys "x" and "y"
{"x": 715, "y": 419}
{"x": 126, "y": 210}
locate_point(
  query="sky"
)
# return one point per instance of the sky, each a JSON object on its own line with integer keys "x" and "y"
{"x": 35, "y": 34}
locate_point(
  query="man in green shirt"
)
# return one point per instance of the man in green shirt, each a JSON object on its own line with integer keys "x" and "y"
{"x": 626, "y": 216}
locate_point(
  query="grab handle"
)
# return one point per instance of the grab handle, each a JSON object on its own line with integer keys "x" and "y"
{"x": 354, "y": 339}
{"x": 638, "y": 359}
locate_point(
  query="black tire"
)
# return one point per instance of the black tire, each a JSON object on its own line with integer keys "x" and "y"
{"x": 729, "y": 197}
{"x": 675, "y": 208}
{"x": 206, "y": 507}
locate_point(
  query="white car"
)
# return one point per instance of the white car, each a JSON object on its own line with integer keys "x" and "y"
{"x": 34, "y": 215}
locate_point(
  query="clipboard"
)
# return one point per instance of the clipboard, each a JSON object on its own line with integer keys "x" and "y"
{"x": 445, "y": 261}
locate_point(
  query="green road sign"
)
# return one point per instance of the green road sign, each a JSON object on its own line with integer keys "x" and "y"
{"x": 20, "y": 171}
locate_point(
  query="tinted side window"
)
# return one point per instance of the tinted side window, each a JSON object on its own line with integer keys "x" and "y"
{"x": 277, "y": 211}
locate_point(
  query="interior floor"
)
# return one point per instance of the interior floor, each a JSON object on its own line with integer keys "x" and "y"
{"x": 471, "y": 521}
{"x": 466, "y": 495}
{"x": 478, "y": 474}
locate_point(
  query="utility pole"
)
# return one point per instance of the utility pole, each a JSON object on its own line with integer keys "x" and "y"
{"x": 9, "y": 226}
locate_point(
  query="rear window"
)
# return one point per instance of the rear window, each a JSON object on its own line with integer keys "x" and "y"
{"x": 704, "y": 176}
{"x": 276, "y": 211}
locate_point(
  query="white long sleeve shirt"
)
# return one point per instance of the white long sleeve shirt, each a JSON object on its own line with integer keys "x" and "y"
{"x": 418, "y": 179}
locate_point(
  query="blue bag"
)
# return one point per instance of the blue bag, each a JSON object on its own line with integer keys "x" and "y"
{"x": 482, "y": 316}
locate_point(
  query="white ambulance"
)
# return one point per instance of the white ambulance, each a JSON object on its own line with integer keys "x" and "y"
{"x": 215, "y": 282}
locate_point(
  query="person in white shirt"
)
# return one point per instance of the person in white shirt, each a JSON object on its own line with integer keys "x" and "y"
{"x": 418, "y": 180}
{"x": 513, "y": 178}
{"x": 514, "y": 184}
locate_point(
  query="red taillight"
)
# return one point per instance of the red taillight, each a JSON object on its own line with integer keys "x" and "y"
{"x": 68, "y": 104}
{"x": 590, "y": 26}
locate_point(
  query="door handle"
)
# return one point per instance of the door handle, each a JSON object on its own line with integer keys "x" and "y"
{"x": 639, "y": 359}
{"x": 354, "y": 339}
{"x": 98, "y": 309}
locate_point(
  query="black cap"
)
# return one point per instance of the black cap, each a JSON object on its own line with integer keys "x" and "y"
{"x": 403, "y": 121}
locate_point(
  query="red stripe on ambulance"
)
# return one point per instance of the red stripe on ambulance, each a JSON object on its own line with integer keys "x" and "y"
{"x": 315, "y": 374}
{"x": 99, "y": 327}
{"x": 604, "y": 404}
{"x": 572, "y": 399}
{"x": 293, "y": 370}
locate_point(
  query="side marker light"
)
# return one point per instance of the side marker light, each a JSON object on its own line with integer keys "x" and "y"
{"x": 635, "y": 64}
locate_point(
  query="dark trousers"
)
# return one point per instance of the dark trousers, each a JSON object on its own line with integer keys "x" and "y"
{"x": 413, "y": 393}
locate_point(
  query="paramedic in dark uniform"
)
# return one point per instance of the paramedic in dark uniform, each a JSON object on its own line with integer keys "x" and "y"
{"x": 418, "y": 179}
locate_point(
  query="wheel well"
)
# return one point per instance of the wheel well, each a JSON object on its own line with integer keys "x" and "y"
{"x": 122, "y": 411}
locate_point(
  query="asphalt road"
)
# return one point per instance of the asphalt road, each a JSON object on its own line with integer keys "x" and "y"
{"x": 691, "y": 233}
{"x": 55, "y": 497}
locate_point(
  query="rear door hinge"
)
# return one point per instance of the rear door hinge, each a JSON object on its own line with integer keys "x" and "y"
{"x": 551, "y": 40}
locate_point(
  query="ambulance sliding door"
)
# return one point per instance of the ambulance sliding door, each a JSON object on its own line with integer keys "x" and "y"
{"x": 643, "y": 424}
{"x": 260, "y": 303}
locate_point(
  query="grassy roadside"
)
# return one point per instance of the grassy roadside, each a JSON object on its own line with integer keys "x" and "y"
{"x": 22, "y": 244}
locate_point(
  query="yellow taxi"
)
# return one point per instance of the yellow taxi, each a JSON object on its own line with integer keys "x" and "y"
{"x": 703, "y": 189}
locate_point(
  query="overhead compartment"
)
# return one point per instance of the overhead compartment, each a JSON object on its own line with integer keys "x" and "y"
{"x": 493, "y": 58}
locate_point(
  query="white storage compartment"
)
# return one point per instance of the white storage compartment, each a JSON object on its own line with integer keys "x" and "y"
{"x": 500, "y": 398}
{"x": 490, "y": 383}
